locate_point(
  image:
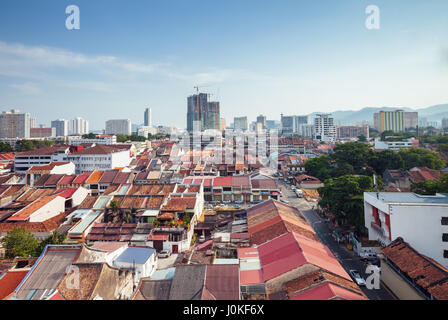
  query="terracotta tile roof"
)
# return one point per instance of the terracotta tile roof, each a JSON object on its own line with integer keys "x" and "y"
{"x": 25, "y": 213}
{"x": 95, "y": 177}
{"x": 241, "y": 181}
{"x": 179, "y": 204}
{"x": 9, "y": 282}
{"x": 99, "y": 149}
{"x": 54, "y": 179}
{"x": 272, "y": 218}
{"x": 223, "y": 182}
{"x": 82, "y": 178}
{"x": 88, "y": 202}
{"x": 41, "y": 181}
{"x": 108, "y": 176}
{"x": 264, "y": 184}
{"x": 291, "y": 251}
{"x": 45, "y": 226}
{"x": 67, "y": 180}
{"x": 47, "y": 167}
{"x": 327, "y": 291}
{"x": 425, "y": 272}
{"x": 318, "y": 277}
{"x": 121, "y": 178}
{"x": 42, "y": 151}
{"x": 222, "y": 282}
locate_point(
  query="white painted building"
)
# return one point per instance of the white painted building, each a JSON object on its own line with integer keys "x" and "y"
{"x": 40, "y": 210}
{"x": 120, "y": 126}
{"x": 34, "y": 173}
{"x": 100, "y": 158}
{"x": 100, "y": 139}
{"x": 324, "y": 128}
{"x": 396, "y": 145}
{"x": 79, "y": 126}
{"x": 142, "y": 260}
{"x": 25, "y": 160}
{"x": 421, "y": 220}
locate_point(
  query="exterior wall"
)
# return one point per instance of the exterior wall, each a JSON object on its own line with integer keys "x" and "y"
{"x": 113, "y": 285}
{"x": 79, "y": 196}
{"x": 50, "y": 210}
{"x": 23, "y": 163}
{"x": 101, "y": 162}
{"x": 396, "y": 284}
{"x": 141, "y": 270}
{"x": 418, "y": 224}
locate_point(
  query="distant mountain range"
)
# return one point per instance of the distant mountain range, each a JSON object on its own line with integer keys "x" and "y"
{"x": 433, "y": 113}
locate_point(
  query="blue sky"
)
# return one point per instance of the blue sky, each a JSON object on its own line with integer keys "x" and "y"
{"x": 267, "y": 57}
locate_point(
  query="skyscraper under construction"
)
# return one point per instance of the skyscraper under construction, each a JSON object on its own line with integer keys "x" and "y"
{"x": 204, "y": 111}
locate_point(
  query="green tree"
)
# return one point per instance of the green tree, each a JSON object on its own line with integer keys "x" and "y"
{"x": 54, "y": 238}
{"x": 5, "y": 147}
{"x": 362, "y": 138}
{"x": 343, "y": 197}
{"x": 20, "y": 243}
{"x": 355, "y": 154}
{"x": 418, "y": 157}
{"x": 89, "y": 136}
{"x": 25, "y": 145}
{"x": 122, "y": 138}
{"x": 387, "y": 159}
{"x": 431, "y": 187}
{"x": 319, "y": 167}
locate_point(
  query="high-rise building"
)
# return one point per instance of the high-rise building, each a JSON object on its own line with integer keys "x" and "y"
{"x": 61, "y": 126}
{"x": 390, "y": 121}
{"x": 206, "y": 113}
{"x": 240, "y": 123}
{"x": 42, "y": 132}
{"x": 119, "y": 126}
{"x": 262, "y": 119}
{"x": 14, "y": 124}
{"x": 324, "y": 128}
{"x": 33, "y": 123}
{"x": 222, "y": 124}
{"x": 79, "y": 126}
{"x": 410, "y": 120}
{"x": 273, "y": 124}
{"x": 350, "y": 132}
{"x": 291, "y": 124}
{"x": 148, "y": 117}
{"x": 445, "y": 123}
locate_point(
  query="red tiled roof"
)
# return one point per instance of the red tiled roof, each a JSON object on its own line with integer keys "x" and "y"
{"x": 251, "y": 277}
{"x": 222, "y": 182}
{"x": 67, "y": 180}
{"x": 327, "y": 291}
{"x": 422, "y": 270}
{"x": 54, "y": 179}
{"x": 26, "y": 212}
{"x": 99, "y": 149}
{"x": 222, "y": 281}
{"x": 10, "y": 281}
{"x": 291, "y": 251}
{"x": 48, "y": 167}
{"x": 158, "y": 237}
{"x": 108, "y": 176}
{"x": 81, "y": 179}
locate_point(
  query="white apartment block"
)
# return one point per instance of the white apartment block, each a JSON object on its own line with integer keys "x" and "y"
{"x": 100, "y": 158}
{"x": 120, "y": 126}
{"x": 396, "y": 145}
{"x": 100, "y": 139}
{"x": 324, "y": 128}
{"x": 14, "y": 124}
{"x": 422, "y": 221}
{"x": 25, "y": 160}
{"x": 79, "y": 126}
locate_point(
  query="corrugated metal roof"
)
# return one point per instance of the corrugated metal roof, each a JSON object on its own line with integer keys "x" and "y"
{"x": 135, "y": 255}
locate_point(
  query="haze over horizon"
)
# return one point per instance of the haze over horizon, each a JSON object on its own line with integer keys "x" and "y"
{"x": 291, "y": 57}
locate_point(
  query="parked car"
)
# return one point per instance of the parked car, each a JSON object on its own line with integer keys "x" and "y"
{"x": 239, "y": 201}
{"x": 357, "y": 278}
{"x": 202, "y": 239}
{"x": 293, "y": 187}
{"x": 299, "y": 193}
{"x": 164, "y": 254}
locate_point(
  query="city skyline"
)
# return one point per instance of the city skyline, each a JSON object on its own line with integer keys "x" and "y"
{"x": 266, "y": 58}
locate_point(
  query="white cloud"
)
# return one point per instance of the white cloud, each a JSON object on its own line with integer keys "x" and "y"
{"x": 27, "y": 88}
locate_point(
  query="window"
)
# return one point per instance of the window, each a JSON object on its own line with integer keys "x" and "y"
{"x": 444, "y": 221}
{"x": 445, "y": 237}
{"x": 445, "y": 254}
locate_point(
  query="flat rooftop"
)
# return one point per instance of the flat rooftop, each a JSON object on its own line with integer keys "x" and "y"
{"x": 409, "y": 198}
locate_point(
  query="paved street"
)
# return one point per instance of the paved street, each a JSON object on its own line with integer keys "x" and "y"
{"x": 348, "y": 259}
